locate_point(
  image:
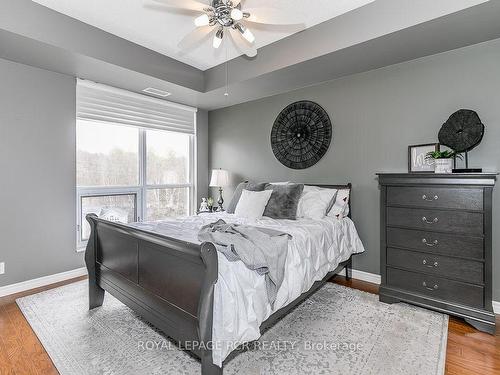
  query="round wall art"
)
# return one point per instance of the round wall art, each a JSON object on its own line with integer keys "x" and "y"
{"x": 463, "y": 131}
{"x": 301, "y": 135}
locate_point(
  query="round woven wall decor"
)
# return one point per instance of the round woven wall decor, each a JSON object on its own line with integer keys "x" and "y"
{"x": 301, "y": 135}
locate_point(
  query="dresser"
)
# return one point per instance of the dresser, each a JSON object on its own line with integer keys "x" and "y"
{"x": 436, "y": 243}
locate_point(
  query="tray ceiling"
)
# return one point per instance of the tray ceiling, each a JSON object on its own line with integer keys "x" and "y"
{"x": 160, "y": 29}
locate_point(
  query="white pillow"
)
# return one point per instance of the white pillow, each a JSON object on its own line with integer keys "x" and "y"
{"x": 315, "y": 202}
{"x": 252, "y": 203}
{"x": 340, "y": 208}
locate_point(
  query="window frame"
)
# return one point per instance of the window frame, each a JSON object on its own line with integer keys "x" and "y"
{"x": 140, "y": 191}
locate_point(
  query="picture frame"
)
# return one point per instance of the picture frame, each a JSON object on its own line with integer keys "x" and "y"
{"x": 417, "y": 161}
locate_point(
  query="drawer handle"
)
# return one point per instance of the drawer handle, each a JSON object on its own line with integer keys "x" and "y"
{"x": 432, "y": 244}
{"x": 424, "y": 284}
{"x": 435, "y": 264}
{"x": 428, "y": 199}
{"x": 434, "y": 221}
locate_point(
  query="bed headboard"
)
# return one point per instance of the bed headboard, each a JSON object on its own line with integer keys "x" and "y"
{"x": 338, "y": 187}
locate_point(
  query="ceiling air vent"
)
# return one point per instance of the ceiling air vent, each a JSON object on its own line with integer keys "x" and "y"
{"x": 156, "y": 92}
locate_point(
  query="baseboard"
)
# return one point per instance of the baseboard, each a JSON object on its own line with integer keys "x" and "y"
{"x": 496, "y": 307}
{"x": 364, "y": 276}
{"x": 41, "y": 281}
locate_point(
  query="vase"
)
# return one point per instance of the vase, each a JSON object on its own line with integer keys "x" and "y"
{"x": 443, "y": 165}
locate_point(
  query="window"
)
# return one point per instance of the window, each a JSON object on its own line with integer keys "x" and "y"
{"x": 107, "y": 155}
{"x": 131, "y": 171}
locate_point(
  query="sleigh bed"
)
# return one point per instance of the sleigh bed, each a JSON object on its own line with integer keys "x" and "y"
{"x": 167, "y": 281}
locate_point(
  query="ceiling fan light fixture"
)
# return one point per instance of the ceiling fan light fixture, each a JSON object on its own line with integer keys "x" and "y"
{"x": 202, "y": 20}
{"x": 236, "y": 14}
{"x": 219, "y": 35}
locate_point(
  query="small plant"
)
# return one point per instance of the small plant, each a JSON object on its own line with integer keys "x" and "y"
{"x": 210, "y": 202}
{"x": 446, "y": 154}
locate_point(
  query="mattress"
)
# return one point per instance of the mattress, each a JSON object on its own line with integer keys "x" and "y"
{"x": 240, "y": 297}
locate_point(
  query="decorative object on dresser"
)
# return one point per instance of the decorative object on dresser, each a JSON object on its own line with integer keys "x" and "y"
{"x": 462, "y": 132}
{"x": 301, "y": 135}
{"x": 443, "y": 160}
{"x": 220, "y": 179}
{"x": 436, "y": 243}
{"x": 417, "y": 158}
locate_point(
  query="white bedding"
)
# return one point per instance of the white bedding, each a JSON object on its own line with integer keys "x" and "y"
{"x": 240, "y": 300}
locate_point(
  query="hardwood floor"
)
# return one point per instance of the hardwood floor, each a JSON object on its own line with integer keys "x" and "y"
{"x": 21, "y": 353}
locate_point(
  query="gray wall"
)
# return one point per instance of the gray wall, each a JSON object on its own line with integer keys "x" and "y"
{"x": 37, "y": 164}
{"x": 38, "y": 175}
{"x": 376, "y": 115}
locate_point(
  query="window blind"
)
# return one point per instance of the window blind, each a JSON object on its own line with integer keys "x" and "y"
{"x": 97, "y": 102}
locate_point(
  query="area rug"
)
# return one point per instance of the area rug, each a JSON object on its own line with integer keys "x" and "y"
{"x": 338, "y": 330}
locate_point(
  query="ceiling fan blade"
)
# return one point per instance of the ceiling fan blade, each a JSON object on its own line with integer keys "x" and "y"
{"x": 195, "y": 37}
{"x": 242, "y": 45}
{"x": 185, "y": 4}
{"x": 272, "y": 16}
{"x": 162, "y": 8}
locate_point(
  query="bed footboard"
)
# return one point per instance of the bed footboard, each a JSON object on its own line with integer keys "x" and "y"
{"x": 170, "y": 283}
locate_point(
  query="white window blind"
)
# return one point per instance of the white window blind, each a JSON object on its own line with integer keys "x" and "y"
{"x": 97, "y": 102}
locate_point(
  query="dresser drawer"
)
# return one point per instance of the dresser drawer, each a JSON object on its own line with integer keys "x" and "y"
{"x": 466, "y": 270}
{"x": 436, "y": 287}
{"x": 438, "y": 243}
{"x": 436, "y": 197}
{"x": 436, "y": 220}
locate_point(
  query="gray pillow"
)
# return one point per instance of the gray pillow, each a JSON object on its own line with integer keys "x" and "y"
{"x": 284, "y": 201}
{"x": 251, "y": 186}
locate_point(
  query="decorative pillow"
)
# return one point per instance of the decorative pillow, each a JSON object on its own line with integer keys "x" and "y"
{"x": 284, "y": 201}
{"x": 340, "y": 208}
{"x": 315, "y": 202}
{"x": 250, "y": 186}
{"x": 252, "y": 203}
{"x": 114, "y": 214}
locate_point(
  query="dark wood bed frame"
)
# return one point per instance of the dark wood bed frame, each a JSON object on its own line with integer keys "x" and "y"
{"x": 168, "y": 282}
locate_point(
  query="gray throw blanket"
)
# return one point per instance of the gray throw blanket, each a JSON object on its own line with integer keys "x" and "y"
{"x": 260, "y": 249}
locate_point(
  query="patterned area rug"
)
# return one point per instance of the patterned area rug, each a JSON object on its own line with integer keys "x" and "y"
{"x": 337, "y": 331}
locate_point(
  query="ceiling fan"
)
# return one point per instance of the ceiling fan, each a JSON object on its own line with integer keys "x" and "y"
{"x": 228, "y": 18}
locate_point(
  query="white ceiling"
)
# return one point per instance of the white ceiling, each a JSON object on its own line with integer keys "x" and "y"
{"x": 151, "y": 25}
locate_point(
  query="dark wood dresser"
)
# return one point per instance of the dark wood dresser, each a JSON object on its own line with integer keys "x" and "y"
{"x": 436, "y": 243}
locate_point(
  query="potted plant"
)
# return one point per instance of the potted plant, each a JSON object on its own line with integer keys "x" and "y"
{"x": 210, "y": 202}
{"x": 443, "y": 160}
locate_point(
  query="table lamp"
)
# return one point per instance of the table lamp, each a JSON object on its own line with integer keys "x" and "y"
{"x": 220, "y": 179}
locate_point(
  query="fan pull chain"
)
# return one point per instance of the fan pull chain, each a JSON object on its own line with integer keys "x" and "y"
{"x": 226, "y": 93}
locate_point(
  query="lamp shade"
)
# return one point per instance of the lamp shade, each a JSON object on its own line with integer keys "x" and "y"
{"x": 220, "y": 178}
